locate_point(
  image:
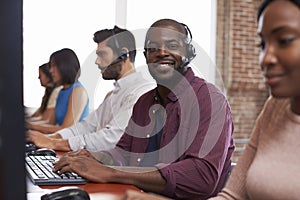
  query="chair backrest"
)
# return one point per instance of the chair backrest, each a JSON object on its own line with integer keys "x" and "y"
{"x": 233, "y": 164}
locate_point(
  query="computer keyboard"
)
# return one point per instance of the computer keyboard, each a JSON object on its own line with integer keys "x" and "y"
{"x": 39, "y": 170}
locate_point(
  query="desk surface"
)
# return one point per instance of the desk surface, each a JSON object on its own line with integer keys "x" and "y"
{"x": 118, "y": 189}
{"x": 97, "y": 191}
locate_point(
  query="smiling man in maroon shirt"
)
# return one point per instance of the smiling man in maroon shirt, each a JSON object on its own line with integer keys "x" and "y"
{"x": 178, "y": 142}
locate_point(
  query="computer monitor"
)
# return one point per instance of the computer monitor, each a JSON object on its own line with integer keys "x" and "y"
{"x": 12, "y": 137}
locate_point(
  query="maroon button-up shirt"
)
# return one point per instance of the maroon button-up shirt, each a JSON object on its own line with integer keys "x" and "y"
{"x": 196, "y": 144}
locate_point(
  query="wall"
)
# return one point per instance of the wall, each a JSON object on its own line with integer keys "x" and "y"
{"x": 237, "y": 60}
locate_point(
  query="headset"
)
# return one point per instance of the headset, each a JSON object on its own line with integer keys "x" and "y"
{"x": 123, "y": 54}
{"x": 190, "y": 49}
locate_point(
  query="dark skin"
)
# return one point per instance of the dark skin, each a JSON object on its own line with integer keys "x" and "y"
{"x": 85, "y": 164}
{"x": 165, "y": 66}
{"x": 164, "y": 57}
{"x": 279, "y": 30}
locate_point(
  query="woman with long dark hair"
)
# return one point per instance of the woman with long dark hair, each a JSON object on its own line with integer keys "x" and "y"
{"x": 47, "y": 108}
{"x": 72, "y": 104}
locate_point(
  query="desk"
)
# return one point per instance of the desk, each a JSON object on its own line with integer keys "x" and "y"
{"x": 117, "y": 189}
{"x": 97, "y": 191}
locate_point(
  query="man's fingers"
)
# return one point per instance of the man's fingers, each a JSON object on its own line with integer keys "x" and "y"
{"x": 59, "y": 164}
{"x": 64, "y": 170}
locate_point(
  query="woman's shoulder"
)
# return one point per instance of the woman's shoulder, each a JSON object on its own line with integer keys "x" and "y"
{"x": 276, "y": 104}
{"x": 274, "y": 109}
{"x": 75, "y": 86}
{"x": 79, "y": 88}
{"x": 79, "y": 91}
{"x": 56, "y": 90}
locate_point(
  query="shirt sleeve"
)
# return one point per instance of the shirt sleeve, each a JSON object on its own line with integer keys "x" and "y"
{"x": 53, "y": 97}
{"x": 236, "y": 186}
{"x": 198, "y": 171}
{"x": 86, "y": 134}
{"x": 87, "y": 126}
{"x": 102, "y": 139}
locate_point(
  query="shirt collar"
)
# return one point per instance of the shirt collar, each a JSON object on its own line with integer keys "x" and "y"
{"x": 125, "y": 81}
{"x": 182, "y": 86}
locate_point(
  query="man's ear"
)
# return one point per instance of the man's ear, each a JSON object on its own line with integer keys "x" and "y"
{"x": 124, "y": 54}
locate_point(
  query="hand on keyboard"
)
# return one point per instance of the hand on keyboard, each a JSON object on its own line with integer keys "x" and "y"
{"x": 39, "y": 170}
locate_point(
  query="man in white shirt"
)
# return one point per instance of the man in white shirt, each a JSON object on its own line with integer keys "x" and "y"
{"x": 101, "y": 130}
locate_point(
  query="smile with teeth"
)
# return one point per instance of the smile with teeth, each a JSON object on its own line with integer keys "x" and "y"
{"x": 165, "y": 64}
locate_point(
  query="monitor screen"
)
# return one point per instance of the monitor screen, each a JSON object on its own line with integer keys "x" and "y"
{"x": 12, "y": 137}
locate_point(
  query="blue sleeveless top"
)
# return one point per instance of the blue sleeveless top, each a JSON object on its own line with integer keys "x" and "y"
{"x": 62, "y": 102}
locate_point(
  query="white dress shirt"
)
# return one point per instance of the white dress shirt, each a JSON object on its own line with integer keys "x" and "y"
{"x": 102, "y": 128}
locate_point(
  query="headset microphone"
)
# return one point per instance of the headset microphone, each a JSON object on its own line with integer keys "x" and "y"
{"x": 185, "y": 61}
{"x": 121, "y": 53}
{"x": 118, "y": 60}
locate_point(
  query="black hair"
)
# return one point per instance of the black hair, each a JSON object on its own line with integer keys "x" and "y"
{"x": 46, "y": 70}
{"x": 265, "y": 4}
{"x": 68, "y": 65}
{"x": 124, "y": 39}
{"x": 49, "y": 87}
{"x": 170, "y": 22}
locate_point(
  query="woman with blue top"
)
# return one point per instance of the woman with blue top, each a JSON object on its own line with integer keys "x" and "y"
{"x": 72, "y": 104}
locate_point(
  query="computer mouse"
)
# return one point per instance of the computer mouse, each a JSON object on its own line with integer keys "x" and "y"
{"x": 29, "y": 147}
{"x": 67, "y": 194}
{"x": 43, "y": 152}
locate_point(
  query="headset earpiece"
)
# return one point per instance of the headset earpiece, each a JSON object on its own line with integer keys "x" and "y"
{"x": 190, "y": 49}
{"x": 123, "y": 55}
{"x": 190, "y": 52}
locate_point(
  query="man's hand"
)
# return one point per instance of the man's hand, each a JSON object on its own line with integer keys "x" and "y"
{"x": 82, "y": 152}
{"x": 101, "y": 157}
{"x": 39, "y": 139}
{"x": 85, "y": 166}
{"x": 50, "y": 141}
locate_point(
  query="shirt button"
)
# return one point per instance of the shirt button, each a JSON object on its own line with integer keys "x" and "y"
{"x": 153, "y": 111}
{"x": 138, "y": 160}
